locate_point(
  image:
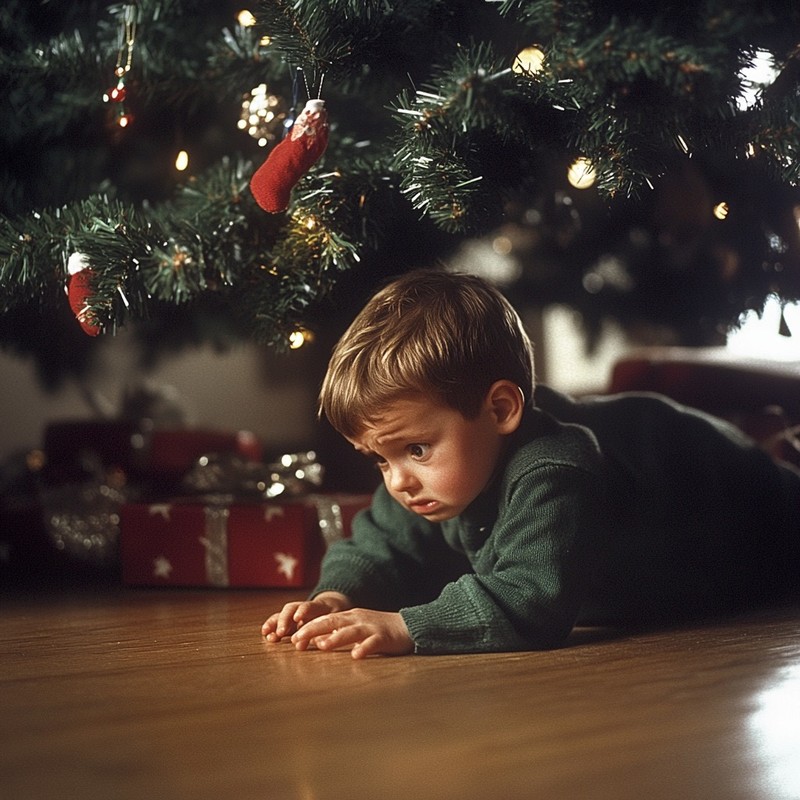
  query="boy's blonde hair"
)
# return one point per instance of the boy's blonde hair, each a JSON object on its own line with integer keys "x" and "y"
{"x": 446, "y": 335}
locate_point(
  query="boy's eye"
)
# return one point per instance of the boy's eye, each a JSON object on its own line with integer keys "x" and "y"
{"x": 418, "y": 450}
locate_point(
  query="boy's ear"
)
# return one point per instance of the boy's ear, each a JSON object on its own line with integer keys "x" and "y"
{"x": 506, "y": 402}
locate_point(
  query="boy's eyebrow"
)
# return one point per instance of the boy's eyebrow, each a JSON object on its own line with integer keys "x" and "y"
{"x": 369, "y": 452}
{"x": 402, "y": 432}
{"x": 398, "y": 433}
{"x": 403, "y": 436}
{"x": 362, "y": 448}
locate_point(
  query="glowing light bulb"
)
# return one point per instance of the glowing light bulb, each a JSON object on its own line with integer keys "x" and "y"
{"x": 502, "y": 245}
{"x": 529, "y": 61}
{"x": 182, "y": 161}
{"x": 245, "y": 18}
{"x": 761, "y": 71}
{"x": 298, "y": 338}
{"x": 581, "y": 173}
{"x": 721, "y": 210}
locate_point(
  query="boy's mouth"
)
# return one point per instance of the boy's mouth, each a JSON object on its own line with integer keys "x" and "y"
{"x": 423, "y": 507}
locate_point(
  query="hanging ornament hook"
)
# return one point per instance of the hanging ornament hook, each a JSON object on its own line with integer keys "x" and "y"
{"x": 127, "y": 40}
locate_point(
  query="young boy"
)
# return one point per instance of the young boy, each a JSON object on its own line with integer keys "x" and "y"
{"x": 508, "y": 515}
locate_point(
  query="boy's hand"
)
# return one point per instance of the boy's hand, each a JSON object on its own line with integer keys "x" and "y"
{"x": 289, "y": 619}
{"x": 367, "y": 632}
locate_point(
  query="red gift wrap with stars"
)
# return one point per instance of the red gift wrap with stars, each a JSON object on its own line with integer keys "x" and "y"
{"x": 194, "y": 542}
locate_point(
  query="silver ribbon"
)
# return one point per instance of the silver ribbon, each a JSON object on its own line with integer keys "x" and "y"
{"x": 329, "y": 516}
{"x": 215, "y": 538}
{"x": 215, "y": 542}
{"x": 226, "y": 473}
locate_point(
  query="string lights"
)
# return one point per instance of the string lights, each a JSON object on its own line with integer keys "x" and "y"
{"x": 529, "y": 61}
{"x": 300, "y": 337}
{"x": 721, "y": 210}
{"x": 581, "y": 173}
{"x": 117, "y": 93}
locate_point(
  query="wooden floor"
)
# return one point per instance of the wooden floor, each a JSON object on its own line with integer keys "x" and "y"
{"x": 174, "y": 694}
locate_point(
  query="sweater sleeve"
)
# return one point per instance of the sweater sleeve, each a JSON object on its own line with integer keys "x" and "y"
{"x": 531, "y": 574}
{"x": 393, "y": 558}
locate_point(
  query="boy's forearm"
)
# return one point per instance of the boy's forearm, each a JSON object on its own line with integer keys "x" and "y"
{"x": 386, "y": 562}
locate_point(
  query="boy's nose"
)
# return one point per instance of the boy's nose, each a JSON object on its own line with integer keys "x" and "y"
{"x": 401, "y": 480}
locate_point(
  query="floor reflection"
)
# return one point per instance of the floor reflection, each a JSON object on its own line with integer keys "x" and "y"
{"x": 775, "y": 729}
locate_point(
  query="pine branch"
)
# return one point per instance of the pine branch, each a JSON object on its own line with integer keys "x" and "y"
{"x": 335, "y": 39}
{"x": 429, "y": 125}
{"x": 453, "y": 136}
{"x": 210, "y": 240}
{"x": 773, "y": 136}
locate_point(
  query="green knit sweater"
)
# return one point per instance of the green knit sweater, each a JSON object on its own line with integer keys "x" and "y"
{"x": 619, "y": 509}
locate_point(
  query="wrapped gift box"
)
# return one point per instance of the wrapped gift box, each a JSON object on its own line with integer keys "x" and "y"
{"x": 205, "y": 542}
{"x": 173, "y": 452}
{"x": 163, "y": 453}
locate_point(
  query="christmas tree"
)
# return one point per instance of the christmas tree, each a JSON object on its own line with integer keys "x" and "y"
{"x": 131, "y": 133}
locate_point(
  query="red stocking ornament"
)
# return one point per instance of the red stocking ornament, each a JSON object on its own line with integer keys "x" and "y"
{"x": 79, "y": 288}
{"x": 291, "y": 158}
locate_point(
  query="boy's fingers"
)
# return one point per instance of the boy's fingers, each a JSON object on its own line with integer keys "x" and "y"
{"x": 293, "y": 619}
{"x": 319, "y": 626}
{"x": 267, "y": 627}
{"x": 281, "y": 623}
{"x": 302, "y": 612}
{"x": 336, "y": 638}
{"x": 366, "y": 648}
{"x": 286, "y": 624}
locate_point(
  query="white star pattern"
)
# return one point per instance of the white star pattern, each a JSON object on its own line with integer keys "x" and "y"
{"x": 287, "y": 564}
{"x": 161, "y": 567}
{"x": 160, "y": 509}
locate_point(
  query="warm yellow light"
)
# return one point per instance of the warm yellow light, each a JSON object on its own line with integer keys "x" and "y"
{"x": 245, "y": 18}
{"x": 581, "y": 173}
{"x": 182, "y": 161}
{"x": 502, "y": 245}
{"x": 721, "y": 210}
{"x": 265, "y": 41}
{"x": 35, "y": 460}
{"x": 298, "y": 338}
{"x": 263, "y": 113}
{"x": 529, "y": 61}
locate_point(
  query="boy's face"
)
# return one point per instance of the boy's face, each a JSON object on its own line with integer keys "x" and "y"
{"x": 434, "y": 461}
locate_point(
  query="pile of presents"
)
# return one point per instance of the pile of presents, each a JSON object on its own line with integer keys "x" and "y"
{"x": 123, "y": 501}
